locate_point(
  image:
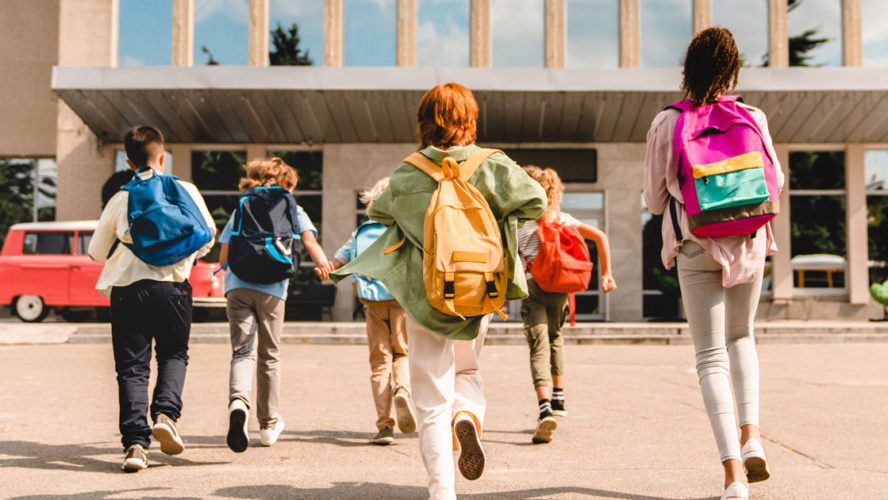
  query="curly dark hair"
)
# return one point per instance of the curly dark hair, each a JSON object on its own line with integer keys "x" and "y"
{"x": 711, "y": 66}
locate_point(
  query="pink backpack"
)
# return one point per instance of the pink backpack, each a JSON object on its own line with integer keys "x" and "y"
{"x": 727, "y": 177}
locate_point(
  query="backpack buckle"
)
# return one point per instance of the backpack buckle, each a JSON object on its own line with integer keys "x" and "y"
{"x": 491, "y": 289}
{"x": 449, "y": 289}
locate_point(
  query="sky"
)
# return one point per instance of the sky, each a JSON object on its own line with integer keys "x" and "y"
{"x": 517, "y": 31}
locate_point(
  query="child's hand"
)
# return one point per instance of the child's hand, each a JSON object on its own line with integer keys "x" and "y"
{"x": 323, "y": 271}
{"x": 607, "y": 283}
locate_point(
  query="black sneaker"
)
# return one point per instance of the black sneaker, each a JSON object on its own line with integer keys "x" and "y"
{"x": 136, "y": 459}
{"x": 237, "y": 437}
{"x": 165, "y": 433}
{"x": 558, "y": 404}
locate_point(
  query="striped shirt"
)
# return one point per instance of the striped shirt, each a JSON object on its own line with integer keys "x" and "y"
{"x": 529, "y": 241}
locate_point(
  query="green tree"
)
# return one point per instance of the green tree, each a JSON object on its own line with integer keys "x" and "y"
{"x": 211, "y": 61}
{"x": 801, "y": 45}
{"x": 285, "y": 48}
{"x": 16, "y": 194}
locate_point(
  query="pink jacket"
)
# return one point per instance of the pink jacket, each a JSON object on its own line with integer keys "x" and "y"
{"x": 741, "y": 257}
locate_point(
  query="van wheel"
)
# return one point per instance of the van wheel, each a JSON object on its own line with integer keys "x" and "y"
{"x": 30, "y": 308}
{"x": 75, "y": 315}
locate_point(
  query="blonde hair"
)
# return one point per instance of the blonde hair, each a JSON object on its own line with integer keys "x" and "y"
{"x": 268, "y": 172}
{"x": 368, "y": 195}
{"x": 551, "y": 182}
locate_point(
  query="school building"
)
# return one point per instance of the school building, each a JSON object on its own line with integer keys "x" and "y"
{"x": 571, "y": 84}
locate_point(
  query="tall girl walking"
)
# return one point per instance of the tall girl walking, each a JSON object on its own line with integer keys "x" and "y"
{"x": 720, "y": 276}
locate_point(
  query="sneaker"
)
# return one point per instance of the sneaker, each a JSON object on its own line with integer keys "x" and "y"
{"x": 269, "y": 435}
{"x": 736, "y": 491}
{"x": 558, "y": 404}
{"x": 384, "y": 437}
{"x": 404, "y": 411}
{"x": 545, "y": 428}
{"x": 136, "y": 459}
{"x": 165, "y": 433}
{"x": 238, "y": 414}
{"x": 754, "y": 460}
{"x": 471, "y": 454}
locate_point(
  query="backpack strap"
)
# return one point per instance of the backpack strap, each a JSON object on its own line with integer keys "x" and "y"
{"x": 423, "y": 163}
{"x": 475, "y": 160}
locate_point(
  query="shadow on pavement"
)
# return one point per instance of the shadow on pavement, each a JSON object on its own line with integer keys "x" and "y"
{"x": 102, "y": 494}
{"x": 346, "y": 439}
{"x": 382, "y": 490}
{"x": 78, "y": 457}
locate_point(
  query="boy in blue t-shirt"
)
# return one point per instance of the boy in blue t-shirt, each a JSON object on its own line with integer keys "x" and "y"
{"x": 258, "y": 309}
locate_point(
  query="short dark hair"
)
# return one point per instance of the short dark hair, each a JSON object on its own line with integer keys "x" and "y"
{"x": 711, "y": 66}
{"x": 143, "y": 143}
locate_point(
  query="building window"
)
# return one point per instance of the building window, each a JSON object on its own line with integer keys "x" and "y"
{"x": 817, "y": 219}
{"x": 22, "y": 182}
{"x": 747, "y": 20}
{"x": 442, "y": 33}
{"x": 815, "y": 32}
{"x": 875, "y": 36}
{"x": 593, "y": 33}
{"x": 588, "y": 208}
{"x": 660, "y": 291}
{"x": 145, "y": 33}
{"x": 308, "y": 17}
{"x": 666, "y": 29}
{"x": 216, "y": 175}
{"x": 221, "y": 32}
{"x": 876, "y": 165}
{"x": 516, "y": 28}
{"x": 370, "y": 33}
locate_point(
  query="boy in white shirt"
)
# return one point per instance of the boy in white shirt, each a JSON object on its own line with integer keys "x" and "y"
{"x": 148, "y": 302}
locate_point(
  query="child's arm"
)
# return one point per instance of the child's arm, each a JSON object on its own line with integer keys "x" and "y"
{"x": 106, "y": 231}
{"x": 314, "y": 249}
{"x": 324, "y": 271}
{"x": 223, "y": 254}
{"x": 604, "y": 255}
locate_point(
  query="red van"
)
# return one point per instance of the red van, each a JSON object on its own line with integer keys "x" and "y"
{"x": 45, "y": 266}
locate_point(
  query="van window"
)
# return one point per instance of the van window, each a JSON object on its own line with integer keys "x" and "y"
{"x": 83, "y": 239}
{"x": 48, "y": 243}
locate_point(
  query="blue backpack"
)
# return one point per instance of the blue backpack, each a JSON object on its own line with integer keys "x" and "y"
{"x": 368, "y": 289}
{"x": 263, "y": 247}
{"x": 164, "y": 222}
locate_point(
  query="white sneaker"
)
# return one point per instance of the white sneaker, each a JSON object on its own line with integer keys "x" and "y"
{"x": 471, "y": 454}
{"x": 754, "y": 460}
{"x": 404, "y": 412}
{"x": 736, "y": 491}
{"x": 270, "y": 435}
{"x": 238, "y": 417}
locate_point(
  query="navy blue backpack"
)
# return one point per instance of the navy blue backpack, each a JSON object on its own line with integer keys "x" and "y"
{"x": 264, "y": 247}
{"x": 164, "y": 222}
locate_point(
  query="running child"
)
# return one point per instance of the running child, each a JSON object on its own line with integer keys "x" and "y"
{"x": 545, "y": 311}
{"x": 261, "y": 254}
{"x": 386, "y": 332}
{"x": 478, "y": 270}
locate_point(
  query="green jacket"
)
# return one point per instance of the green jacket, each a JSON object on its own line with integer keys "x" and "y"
{"x": 513, "y": 198}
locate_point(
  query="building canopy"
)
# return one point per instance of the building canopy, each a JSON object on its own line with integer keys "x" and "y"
{"x": 293, "y": 104}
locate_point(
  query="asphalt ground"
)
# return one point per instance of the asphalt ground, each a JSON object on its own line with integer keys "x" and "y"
{"x": 636, "y": 428}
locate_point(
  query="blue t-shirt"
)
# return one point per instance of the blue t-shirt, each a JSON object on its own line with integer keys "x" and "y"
{"x": 279, "y": 289}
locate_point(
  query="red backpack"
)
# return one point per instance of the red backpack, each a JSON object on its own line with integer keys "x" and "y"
{"x": 562, "y": 264}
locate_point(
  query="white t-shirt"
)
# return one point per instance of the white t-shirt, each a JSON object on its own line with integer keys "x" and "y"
{"x": 529, "y": 242}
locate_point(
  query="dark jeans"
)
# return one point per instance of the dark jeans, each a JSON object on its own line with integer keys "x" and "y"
{"x": 141, "y": 312}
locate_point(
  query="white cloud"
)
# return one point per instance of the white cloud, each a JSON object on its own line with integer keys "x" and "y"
{"x": 236, "y": 10}
{"x": 517, "y": 32}
{"x": 132, "y": 61}
{"x": 442, "y": 44}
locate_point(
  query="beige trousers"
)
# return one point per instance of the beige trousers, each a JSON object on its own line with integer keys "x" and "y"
{"x": 256, "y": 318}
{"x": 387, "y": 340}
{"x": 446, "y": 379}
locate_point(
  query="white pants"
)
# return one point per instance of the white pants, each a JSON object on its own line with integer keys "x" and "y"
{"x": 445, "y": 379}
{"x": 720, "y": 320}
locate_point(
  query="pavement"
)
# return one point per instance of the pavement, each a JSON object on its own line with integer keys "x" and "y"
{"x": 636, "y": 428}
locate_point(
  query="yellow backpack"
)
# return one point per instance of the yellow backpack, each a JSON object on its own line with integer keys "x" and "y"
{"x": 464, "y": 267}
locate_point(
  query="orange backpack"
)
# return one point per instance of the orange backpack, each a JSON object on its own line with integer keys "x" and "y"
{"x": 562, "y": 264}
{"x": 464, "y": 266}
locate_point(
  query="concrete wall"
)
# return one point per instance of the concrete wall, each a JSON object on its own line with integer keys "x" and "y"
{"x": 87, "y": 37}
{"x": 29, "y": 48}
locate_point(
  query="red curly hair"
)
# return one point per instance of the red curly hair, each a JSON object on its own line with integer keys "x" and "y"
{"x": 446, "y": 116}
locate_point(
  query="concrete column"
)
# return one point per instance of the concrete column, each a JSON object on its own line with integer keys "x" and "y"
{"x": 781, "y": 267}
{"x": 630, "y": 27}
{"x": 183, "y": 32}
{"x": 479, "y": 33}
{"x": 258, "y": 33}
{"x": 852, "y": 33}
{"x": 778, "y": 35}
{"x": 702, "y": 15}
{"x": 181, "y": 160}
{"x": 333, "y": 28}
{"x": 856, "y": 225}
{"x": 407, "y": 33}
{"x": 87, "y": 37}
{"x": 555, "y": 33}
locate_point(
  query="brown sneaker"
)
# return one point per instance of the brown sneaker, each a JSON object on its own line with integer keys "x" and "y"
{"x": 136, "y": 459}
{"x": 385, "y": 436}
{"x": 165, "y": 433}
{"x": 404, "y": 411}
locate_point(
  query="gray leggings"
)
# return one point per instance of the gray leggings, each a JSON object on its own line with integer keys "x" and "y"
{"x": 720, "y": 320}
